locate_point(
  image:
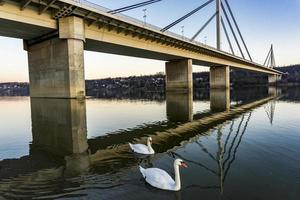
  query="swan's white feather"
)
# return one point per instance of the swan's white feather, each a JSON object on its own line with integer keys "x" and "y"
{"x": 140, "y": 148}
{"x": 158, "y": 178}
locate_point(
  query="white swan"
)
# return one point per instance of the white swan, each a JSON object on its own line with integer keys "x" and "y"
{"x": 160, "y": 179}
{"x": 143, "y": 149}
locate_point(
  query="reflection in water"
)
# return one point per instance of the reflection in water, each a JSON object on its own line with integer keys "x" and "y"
{"x": 225, "y": 154}
{"x": 65, "y": 163}
{"x": 219, "y": 99}
{"x": 179, "y": 106}
{"x": 270, "y": 110}
{"x": 274, "y": 91}
{"x": 58, "y": 150}
{"x": 59, "y": 127}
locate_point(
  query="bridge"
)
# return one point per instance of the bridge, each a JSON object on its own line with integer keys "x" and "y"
{"x": 56, "y": 33}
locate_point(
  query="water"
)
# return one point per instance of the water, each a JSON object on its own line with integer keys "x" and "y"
{"x": 72, "y": 149}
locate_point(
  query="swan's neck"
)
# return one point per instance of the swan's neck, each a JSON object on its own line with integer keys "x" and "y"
{"x": 150, "y": 147}
{"x": 177, "y": 177}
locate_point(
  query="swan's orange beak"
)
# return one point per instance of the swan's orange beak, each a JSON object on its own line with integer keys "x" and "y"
{"x": 184, "y": 165}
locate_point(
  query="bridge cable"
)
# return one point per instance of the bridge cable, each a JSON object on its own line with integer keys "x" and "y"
{"x": 227, "y": 36}
{"x": 270, "y": 62}
{"x": 203, "y": 27}
{"x": 267, "y": 58}
{"x": 126, "y": 8}
{"x": 186, "y": 16}
{"x": 270, "y": 59}
{"x": 232, "y": 31}
{"x": 238, "y": 29}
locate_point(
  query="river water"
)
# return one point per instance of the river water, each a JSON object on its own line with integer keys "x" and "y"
{"x": 243, "y": 147}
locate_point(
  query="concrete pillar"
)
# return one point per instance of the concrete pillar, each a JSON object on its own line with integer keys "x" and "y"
{"x": 179, "y": 106}
{"x": 179, "y": 75}
{"x": 220, "y": 77}
{"x": 272, "y": 78}
{"x": 56, "y": 66}
{"x": 220, "y": 99}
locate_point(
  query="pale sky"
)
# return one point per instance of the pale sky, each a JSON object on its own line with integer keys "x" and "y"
{"x": 261, "y": 22}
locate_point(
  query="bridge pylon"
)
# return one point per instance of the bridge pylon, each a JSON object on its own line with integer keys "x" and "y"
{"x": 270, "y": 63}
{"x": 218, "y": 23}
{"x": 270, "y": 59}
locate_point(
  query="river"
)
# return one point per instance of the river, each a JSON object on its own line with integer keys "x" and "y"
{"x": 243, "y": 144}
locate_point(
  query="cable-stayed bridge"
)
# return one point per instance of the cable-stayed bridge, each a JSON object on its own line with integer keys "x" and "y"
{"x": 56, "y": 33}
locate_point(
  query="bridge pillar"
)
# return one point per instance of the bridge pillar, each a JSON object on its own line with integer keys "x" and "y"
{"x": 179, "y": 75}
{"x": 56, "y": 65}
{"x": 273, "y": 78}
{"x": 219, "y": 77}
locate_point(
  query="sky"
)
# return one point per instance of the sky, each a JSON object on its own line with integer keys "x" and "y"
{"x": 262, "y": 23}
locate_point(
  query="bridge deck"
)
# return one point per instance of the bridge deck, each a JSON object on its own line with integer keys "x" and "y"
{"x": 118, "y": 34}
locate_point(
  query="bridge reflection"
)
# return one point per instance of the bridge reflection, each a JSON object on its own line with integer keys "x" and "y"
{"x": 59, "y": 133}
{"x": 219, "y": 99}
{"x": 59, "y": 127}
{"x": 179, "y": 106}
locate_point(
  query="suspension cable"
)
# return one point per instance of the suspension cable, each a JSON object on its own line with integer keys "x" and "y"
{"x": 227, "y": 36}
{"x": 269, "y": 62}
{"x": 126, "y": 8}
{"x": 186, "y": 16}
{"x": 203, "y": 27}
{"x": 231, "y": 28}
{"x": 267, "y": 58}
{"x": 237, "y": 27}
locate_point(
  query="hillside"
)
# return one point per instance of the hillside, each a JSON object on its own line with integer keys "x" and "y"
{"x": 134, "y": 85}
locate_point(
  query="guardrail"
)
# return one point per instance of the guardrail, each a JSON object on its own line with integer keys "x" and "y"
{"x": 134, "y": 20}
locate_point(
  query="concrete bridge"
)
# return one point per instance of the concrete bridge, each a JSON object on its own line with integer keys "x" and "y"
{"x": 56, "y": 33}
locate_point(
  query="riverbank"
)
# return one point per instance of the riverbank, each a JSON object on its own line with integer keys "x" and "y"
{"x": 156, "y": 83}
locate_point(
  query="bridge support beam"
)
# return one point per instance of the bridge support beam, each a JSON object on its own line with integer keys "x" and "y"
{"x": 179, "y": 75}
{"x": 56, "y": 66}
{"x": 220, "y": 77}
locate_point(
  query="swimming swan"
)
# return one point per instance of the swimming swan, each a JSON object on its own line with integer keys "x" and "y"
{"x": 143, "y": 149}
{"x": 161, "y": 179}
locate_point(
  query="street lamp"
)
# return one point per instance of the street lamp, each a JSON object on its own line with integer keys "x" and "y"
{"x": 182, "y": 31}
{"x": 145, "y": 16}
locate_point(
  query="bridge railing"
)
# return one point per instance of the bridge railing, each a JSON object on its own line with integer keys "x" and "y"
{"x": 140, "y": 22}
